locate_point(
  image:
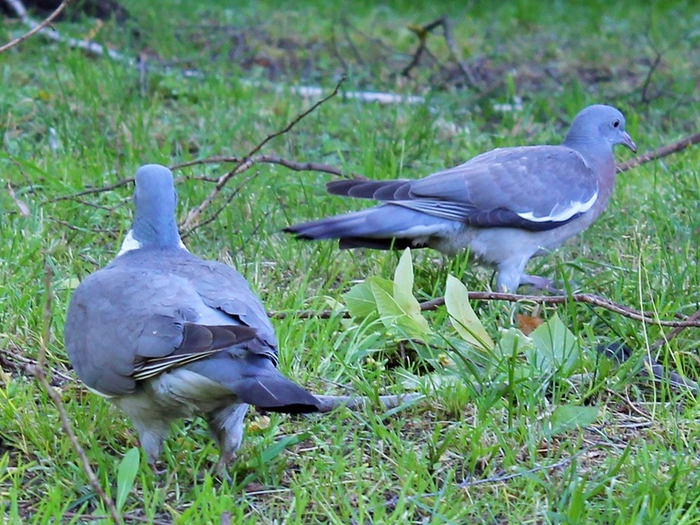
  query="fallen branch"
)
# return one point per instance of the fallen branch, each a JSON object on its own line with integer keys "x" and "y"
{"x": 422, "y": 34}
{"x": 563, "y": 462}
{"x": 271, "y": 159}
{"x": 39, "y": 372}
{"x": 592, "y": 299}
{"x": 330, "y": 403}
{"x": 89, "y": 47}
{"x": 246, "y": 162}
{"x": 672, "y": 333}
{"x": 21, "y": 12}
{"x": 661, "y": 152}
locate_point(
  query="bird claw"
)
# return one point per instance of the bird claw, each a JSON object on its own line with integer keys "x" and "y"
{"x": 541, "y": 283}
{"x": 222, "y": 466}
{"x": 158, "y": 470}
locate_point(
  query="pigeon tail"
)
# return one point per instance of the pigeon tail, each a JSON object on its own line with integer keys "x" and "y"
{"x": 275, "y": 393}
{"x": 255, "y": 381}
{"x": 384, "y": 227}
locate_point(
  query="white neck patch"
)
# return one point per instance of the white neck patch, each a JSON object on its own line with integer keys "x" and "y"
{"x": 130, "y": 243}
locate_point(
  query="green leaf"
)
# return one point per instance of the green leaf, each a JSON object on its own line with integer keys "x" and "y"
{"x": 569, "y": 417}
{"x": 403, "y": 285}
{"x": 126, "y": 475}
{"x": 554, "y": 347}
{"x": 393, "y": 315}
{"x": 463, "y": 317}
{"x": 278, "y": 447}
{"x": 360, "y": 300}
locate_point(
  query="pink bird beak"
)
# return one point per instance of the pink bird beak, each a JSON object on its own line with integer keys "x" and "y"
{"x": 628, "y": 142}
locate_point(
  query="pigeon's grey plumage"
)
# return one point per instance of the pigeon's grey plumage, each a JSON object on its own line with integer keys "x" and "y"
{"x": 165, "y": 335}
{"x": 506, "y": 205}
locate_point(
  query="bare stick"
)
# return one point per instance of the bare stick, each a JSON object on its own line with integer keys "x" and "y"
{"x": 672, "y": 333}
{"x": 592, "y": 299}
{"x": 245, "y": 162}
{"x": 330, "y": 403}
{"x": 271, "y": 159}
{"x": 92, "y": 191}
{"x": 454, "y": 53}
{"x": 499, "y": 479}
{"x": 39, "y": 371}
{"x": 21, "y": 12}
{"x": 422, "y": 34}
{"x": 89, "y": 47}
{"x": 661, "y": 152}
{"x": 19, "y": 362}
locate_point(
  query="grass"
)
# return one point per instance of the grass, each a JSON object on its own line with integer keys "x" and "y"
{"x": 369, "y": 466}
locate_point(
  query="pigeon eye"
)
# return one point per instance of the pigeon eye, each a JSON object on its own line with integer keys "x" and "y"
{"x": 616, "y": 123}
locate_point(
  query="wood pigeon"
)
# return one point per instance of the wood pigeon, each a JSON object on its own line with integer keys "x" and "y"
{"x": 506, "y": 205}
{"x": 165, "y": 335}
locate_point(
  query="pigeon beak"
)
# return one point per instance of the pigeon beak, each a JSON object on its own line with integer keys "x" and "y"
{"x": 628, "y": 142}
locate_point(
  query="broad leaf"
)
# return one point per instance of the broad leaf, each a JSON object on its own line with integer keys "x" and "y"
{"x": 463, "y": 317}
{"x": 126, "y": 475}
{"x": 569, "y": 417}
{"x": 360, "y": 300}
{"x": 403, "y": 286}
{"x": 554, "y": 347}
{"x": 393, "y": 315}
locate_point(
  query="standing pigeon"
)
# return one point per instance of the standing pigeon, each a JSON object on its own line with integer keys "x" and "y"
{"x": 165, "y": 335}
{"x": 506, "y": 205}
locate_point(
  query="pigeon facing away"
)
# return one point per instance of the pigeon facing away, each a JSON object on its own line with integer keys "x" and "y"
{"x": 165, "y": 335}
{"x": 506, "y": 205}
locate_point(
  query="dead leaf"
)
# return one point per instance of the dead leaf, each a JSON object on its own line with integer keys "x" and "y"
{"x": 528, "y": 323}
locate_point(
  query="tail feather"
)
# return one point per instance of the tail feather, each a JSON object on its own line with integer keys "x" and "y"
{"x": 384, "y": 227}
{"x": 275, "y": 393}
{"x": 383, "y": 190}
{"x": 256, "y": 381}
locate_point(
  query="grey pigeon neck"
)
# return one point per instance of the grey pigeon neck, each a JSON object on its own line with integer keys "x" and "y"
{"x": 594, "y": 151}
{"x": 146, "y": 233}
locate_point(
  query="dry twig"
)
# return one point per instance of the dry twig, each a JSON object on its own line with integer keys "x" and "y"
{"x": 246, "y": 162}
{"x": 270, "y": 159}
{"x": 422, "y": 34}
{"x": 587, "y": 298}
{"x": 21, "y": 12}
{"x": 330, "y": 403}
{"x": 89, "y": 47}
{"x": 563, "y": 462}
{"x": 661, "y": 152}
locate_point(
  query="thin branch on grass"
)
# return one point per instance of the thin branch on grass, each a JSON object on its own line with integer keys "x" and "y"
{"x": 666, "y": 338}
{"x": 17, "y": 361}
{"x": 587, "y": 298}
{"x": 213, "y": 216}
{"x": 92, "y": 191}
{"x": 21, "y": 12}
{"x": 85, "y": 45}
{"x": 661, "y": 152}
{"x": 330, "y": 403}
{"x": 39, "y": 371}
{"x": 422, "y": 34}
{"x": 129, "y": 516}
{"x": 271, "y": 159}
{"x": 245, "y": 162}
{"x": 561, "y": 463}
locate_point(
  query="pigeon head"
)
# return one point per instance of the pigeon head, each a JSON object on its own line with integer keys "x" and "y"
{"x": 155, "y": 200}
{"x": 604, "y": 125}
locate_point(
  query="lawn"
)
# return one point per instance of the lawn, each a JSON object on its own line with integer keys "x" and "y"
{"x": 539, "y": 429}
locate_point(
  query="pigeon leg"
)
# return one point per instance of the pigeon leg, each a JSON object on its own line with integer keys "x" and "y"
{"x": 226, "y": 426}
